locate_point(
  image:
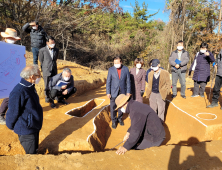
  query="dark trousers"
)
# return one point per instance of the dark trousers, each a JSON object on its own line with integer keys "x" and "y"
{"x": 4, "y": 107}
{"x": 55, "y": 93}
{"x": 199, "y": 86}
{"x": 113, "y": 111}
{"x": 35, "y": 52}
{"x": 216, "y": 89}
{"x": 30, "y": 142}
{"x": 46, "y": 82}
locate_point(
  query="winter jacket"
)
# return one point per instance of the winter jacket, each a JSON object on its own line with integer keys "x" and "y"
{"x": 164, "y": 84}
{"x": 54, "y": 80}
{"x": 137, "y": 83}
{"x": 25, "y": 114}
{"x": 184, "y": 60}
{"x": 202, "y": 69}
{"x": 38, "y": 37}
{"x": 219, "y": 64}
{"x": 142, "y": 115}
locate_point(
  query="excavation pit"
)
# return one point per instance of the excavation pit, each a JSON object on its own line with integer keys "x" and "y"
{"x": 85, "y": 109}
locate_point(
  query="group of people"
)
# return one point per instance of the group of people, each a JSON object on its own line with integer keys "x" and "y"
{"x": 125, "y": 88}
{"x": 146, "y": 128}
{"x": 23, "y": 112}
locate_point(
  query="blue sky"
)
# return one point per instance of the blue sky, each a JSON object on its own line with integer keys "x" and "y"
{"x": 153, "y": 6}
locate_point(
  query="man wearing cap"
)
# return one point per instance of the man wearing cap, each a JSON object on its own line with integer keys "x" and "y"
{"x": 178, "y": 61}
{"x": 118, "y": 82}
{"x": 38, "y": 38}
{"x": 146, "y": 128}
{"x": 10, "y": 36}
{"x": 158, "y": 88}
{"x": 48, "y": 56}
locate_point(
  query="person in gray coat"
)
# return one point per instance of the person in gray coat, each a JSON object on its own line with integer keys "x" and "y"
{"x": 218, "y": 82}
{"x": 146, "y": 128}
{"x": 178, "y": 61}
{"x": 137, "y": 77}
{"x": 38, "y": 38}
{"x": 61, "y": 86}
{"x": 47, "y": 57}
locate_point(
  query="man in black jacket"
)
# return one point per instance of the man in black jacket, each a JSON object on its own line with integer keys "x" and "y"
{"x": 47, "y": 57}
{"x": 146, "y": 128}
{"x": 38, "y": 38}
{"x": 61, "y": 86}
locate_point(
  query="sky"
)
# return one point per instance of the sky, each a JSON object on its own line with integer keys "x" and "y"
{"x": 153, "y": 6}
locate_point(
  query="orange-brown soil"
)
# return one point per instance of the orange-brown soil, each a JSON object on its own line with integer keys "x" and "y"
{"x": 84, "y": 126}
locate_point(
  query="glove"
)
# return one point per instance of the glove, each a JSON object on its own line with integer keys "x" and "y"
{"x": 142, "y": 92}
{"x": 214, "y": 64}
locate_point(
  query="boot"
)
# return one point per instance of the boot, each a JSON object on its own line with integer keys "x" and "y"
{"x": 212, "y": 105}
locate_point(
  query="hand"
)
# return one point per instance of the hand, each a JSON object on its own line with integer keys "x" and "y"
{"x": 128, "y": 94}
{"x": 126, "y": 137}
{"x": 177, "y": 66}
{"x": 25, "y": 56}
{"x": 64, "y": 87}
{"x": 207, "y": 54}
{"x": 142, "y": 93}
{"x": 109, "y": 96}
{"x": 121, "y": 150}
{"x": 65, "y": 92}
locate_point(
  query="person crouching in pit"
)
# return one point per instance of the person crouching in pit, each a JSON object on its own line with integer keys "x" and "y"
{"x": 146, "y": 128}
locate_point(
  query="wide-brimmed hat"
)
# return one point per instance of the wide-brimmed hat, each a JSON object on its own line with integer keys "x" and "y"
{"x": 121, "y": 100}
{"x": 10, "y": 33}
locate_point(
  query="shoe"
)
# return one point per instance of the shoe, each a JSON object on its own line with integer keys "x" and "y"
{"x": 63, "y": 102}
{"x": 212, "y": 105}
{"x": 114, "y": 125}
{"x": 121, "y": 123}
{"x": 53, "y": 105}
{"x": 2, "y": 120}
{"x": 183, "y": 96}
{"x": 173, "y": 96}
{"x": 194, "y": 95}
{"x": 47, "y": 100}
{"x": 202, "y": 96}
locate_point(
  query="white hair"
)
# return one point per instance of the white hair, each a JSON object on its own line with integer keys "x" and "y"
{"x": 67, "y": 70}
{"x": 30, "y": 70}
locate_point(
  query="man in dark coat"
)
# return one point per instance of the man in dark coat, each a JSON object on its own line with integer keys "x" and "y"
{"x": 25, "y": 114}
{"x": 118, "y": 82}
{"x": 178, "y": 61}
{"x": 48, "y": 56}
{"x": 61, "y": 87}
{"x": 218, "y": 82}
{"x": 38, "y": 38}
{"x": 201, "y": 68}
{"x": 146, "y": 128}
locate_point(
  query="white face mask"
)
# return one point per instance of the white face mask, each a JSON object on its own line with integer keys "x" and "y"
{"x": 34, "y": 28}
{"x": 37, "y": 80}
{"x": 138, "y": 66}
{"x": 123, "y": 110}
{"x": 52, "y": 45}
{"x": 10, "y": 41}
{"x": 203, "y": 51}
{"x": 179, "y": 47}
{"x": 66, "y": 78}
{"x": 117, "y": 65}
{"x": 155, "y": 68}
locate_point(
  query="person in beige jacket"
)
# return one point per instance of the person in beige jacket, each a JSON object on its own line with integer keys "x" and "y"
{"x": 158, "y": 87}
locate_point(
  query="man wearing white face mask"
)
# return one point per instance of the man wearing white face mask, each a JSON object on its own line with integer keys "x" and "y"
{"x": 146, "y": 128}
{"x": 118, "y": 82}
{"x": 48, "y": 56}
{"x": 38, "y": 38}
{"x": 25, "y": 114}
{"x": 61, "y": 87}
{"x": 178, "y": 61}
{"x": 158, "y": 88}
